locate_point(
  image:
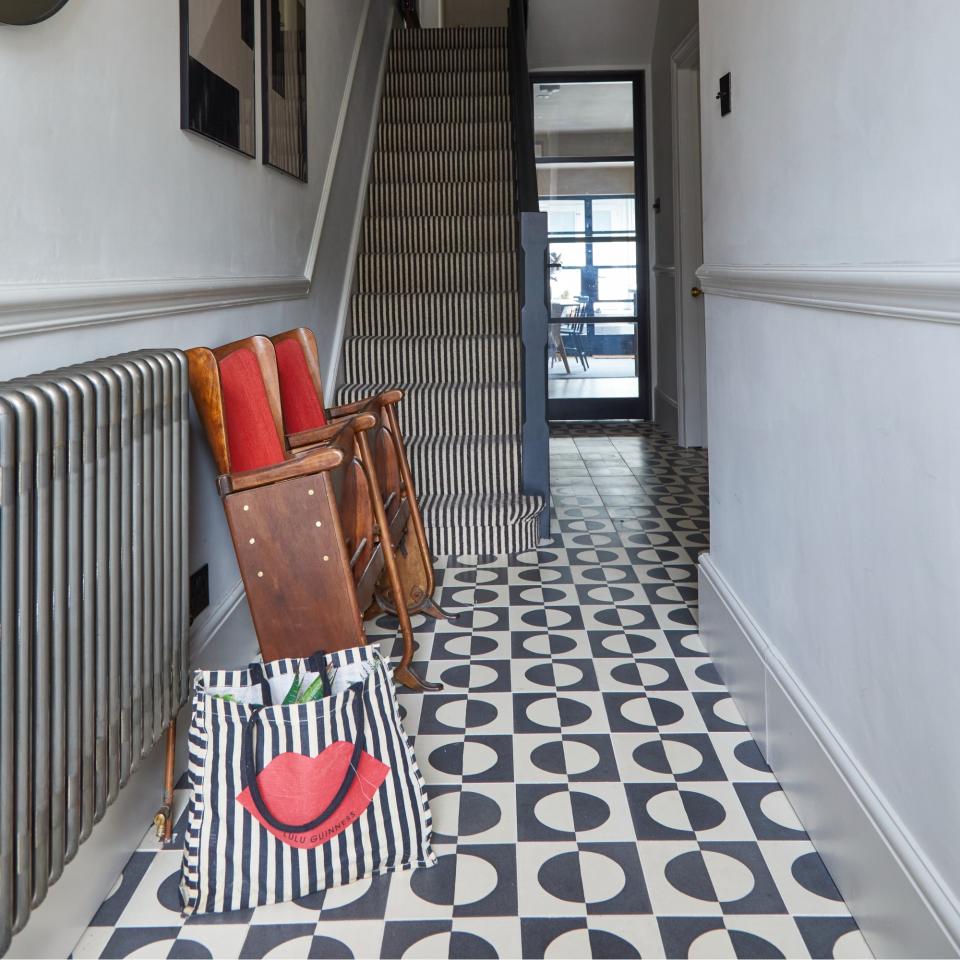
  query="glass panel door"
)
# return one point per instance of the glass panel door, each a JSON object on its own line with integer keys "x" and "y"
{"x": 588, "y": 168}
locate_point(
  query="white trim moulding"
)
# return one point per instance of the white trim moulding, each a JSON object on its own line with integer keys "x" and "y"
{"x": 313, "y": 252}
{"x": 928, "y": 292}
{"x": 33, "y": 309}
{"x": 356, "y": 232}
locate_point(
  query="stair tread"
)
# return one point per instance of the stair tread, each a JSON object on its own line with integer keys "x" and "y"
{"x": 450, "y": 38}
{"x": 419, "y": 184}
{"x": 473, "y": 440}
{"x": 504, "y": 124}
{"x": 525, "y": 505}
{"x": 429, "y": 337}
{"x": 414, "y": 389}
{"x": 450, "y": 98}
{"x": 476, "y": 72}
{"x": 490, "y": 151}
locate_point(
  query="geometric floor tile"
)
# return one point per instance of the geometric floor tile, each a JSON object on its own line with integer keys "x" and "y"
{"x": 594, "y": 789}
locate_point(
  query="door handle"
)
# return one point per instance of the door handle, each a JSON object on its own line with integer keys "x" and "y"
{"x": 696, "y": 292}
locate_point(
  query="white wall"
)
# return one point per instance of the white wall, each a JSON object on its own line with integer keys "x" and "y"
{"x": 675, "y": 20}
{"x": 830, "y": 195}
{"x": 112, "y": 213}
{"x": 599, "y": 35}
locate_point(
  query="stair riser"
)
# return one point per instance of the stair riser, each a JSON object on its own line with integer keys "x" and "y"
{"x": 423, "y": 315}
{"x": 474, "y": 469}
{"x": 441, "y": 200}
{"x": 444, "y": 273}
{"x": 474, "y": 411}
{"x": 441, "y": 62}
{"x": 483, "y": 83}
{"x": 432, "y": 359}
{"x": 448, "y": 138}
{"x": 449, "y": 38}
{"x": 445, "y": 62}
{"x": 445, "y": 110}
{"x": 474, "y": 541}
{"x": 439, "y": 235}
{"x": 439, "y": 167}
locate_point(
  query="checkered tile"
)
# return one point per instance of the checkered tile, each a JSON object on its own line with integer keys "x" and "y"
{"x": 593, "y": 787}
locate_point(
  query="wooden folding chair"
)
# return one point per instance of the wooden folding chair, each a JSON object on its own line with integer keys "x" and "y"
{"x": 305, "y": 525}
{"x": 301, "y": 391}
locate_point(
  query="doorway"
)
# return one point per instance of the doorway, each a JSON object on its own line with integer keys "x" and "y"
{"x": 688, "y": 239}
{"x": 591, "y": 174}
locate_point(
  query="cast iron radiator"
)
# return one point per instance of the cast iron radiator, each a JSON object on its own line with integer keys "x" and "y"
{"x": 93, "y": 600}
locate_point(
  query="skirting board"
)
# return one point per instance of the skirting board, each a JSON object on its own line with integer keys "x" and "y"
{"x": 665, "y": 413}
{"x": 61, "y": 919}
{"x": 903, "y": 908}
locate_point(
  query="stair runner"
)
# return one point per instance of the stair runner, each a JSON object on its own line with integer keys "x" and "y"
{"x": 436, "y": 308}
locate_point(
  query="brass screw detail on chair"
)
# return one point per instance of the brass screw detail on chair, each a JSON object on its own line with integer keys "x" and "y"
{"x": 325, "y": 558}
{"x": 253, "y": 539}
{"x": 246, "y": 506}
{"x": 319, "y": 523}
{"x": 309, "y": 493}
{"x": 259, "y": 573}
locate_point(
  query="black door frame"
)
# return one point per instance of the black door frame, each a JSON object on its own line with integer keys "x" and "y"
{"x": 620, "y": 408}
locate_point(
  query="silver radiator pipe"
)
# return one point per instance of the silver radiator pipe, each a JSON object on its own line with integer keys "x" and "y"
{"x": 93, "y": 600}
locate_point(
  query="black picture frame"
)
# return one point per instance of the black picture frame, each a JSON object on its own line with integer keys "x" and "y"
{"x": 210, "y": 104}
{"x": 24, "y": 13}
{"x": 283, "y": 86}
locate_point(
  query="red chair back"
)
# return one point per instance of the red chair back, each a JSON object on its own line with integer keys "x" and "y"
{"x": 252, "y": 437}
{"x": 302, "y": 406}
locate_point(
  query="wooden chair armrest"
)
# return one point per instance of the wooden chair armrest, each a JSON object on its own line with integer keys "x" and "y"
{"x": 300, "y": 465}
{"x": 381, "y": 399}
{"x": 310, "y": 438}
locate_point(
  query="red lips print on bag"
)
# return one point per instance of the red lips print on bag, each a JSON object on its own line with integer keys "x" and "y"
{"x": 296, "y": 789}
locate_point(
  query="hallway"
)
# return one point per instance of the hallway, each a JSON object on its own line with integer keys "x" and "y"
{"x": 594, "y": 791}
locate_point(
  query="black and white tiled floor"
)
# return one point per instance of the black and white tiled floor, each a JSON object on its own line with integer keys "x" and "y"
{"x": 594, "y": 790}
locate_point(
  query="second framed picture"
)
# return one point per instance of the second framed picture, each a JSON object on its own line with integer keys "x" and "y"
{"x": 284, "y": 85}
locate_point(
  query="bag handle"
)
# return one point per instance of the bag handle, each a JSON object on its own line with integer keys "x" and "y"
{"x": 250, "y": 771}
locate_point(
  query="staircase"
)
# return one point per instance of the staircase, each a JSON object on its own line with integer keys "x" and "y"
{"x": 436, "y": 308}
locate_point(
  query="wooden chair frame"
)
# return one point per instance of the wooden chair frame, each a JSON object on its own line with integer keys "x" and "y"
{"x": 415, "y": 559}
{"x": 345, "y": 547}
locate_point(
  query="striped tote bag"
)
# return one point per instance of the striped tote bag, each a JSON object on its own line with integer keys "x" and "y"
{"x": 291, "y": 798}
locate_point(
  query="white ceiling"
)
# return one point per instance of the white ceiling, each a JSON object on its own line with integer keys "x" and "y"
{"x": 591, "y": 34}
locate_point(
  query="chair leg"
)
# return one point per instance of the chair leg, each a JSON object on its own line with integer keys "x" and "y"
{"x": 163, "y": 820}
{"x": 433, "y": 609}
{"x": 426, "y": 604}
{"x": 403, "y": 672}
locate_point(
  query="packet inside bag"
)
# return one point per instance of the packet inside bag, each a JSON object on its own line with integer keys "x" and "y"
{"x": 301, "y": 686}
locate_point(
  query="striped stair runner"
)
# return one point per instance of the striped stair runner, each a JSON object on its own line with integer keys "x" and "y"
{"x": 436, "y": 308}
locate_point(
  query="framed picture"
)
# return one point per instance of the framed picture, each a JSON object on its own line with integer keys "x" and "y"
{"x": 218, "y": 87}
{"x": 26, "y": 12}
{"x": 284, "y": 85}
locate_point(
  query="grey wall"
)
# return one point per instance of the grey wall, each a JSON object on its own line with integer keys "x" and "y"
{"x": 599, "y": 34}
{"x": 122, "y": 231}
{"x": 675, "y": 20}
{"x": 474, "y": 13}
{"x": 835, "y": 432}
